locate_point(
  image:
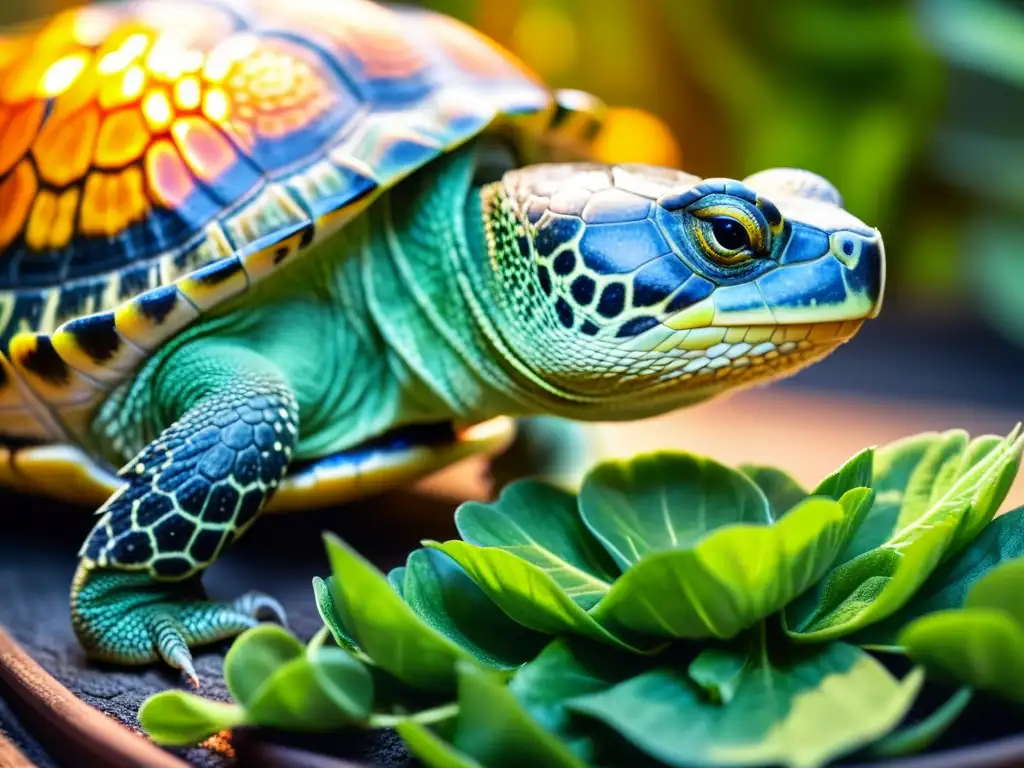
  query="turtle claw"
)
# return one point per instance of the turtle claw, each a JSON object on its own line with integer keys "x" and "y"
{"x": 127, "y": 618}
{"x": 261, "y": 606}
{"x": 181, "y": 658}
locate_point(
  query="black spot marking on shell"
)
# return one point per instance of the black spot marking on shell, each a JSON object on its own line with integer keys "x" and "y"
{"x": 45, "y": 363}
{"x": 135, "y": 280}
{"x": 27, "y": 314}
{"x": 96, "y": 336}
{"x": 561, "y": 114}
{"x": 156, "y": 305}
{"x": 78, "y": 299}
{"x": 218, "y": 272}
{"x": 590, "y": 328}
{"x": 307, "y": 235}
{"x": 281, "y": 254}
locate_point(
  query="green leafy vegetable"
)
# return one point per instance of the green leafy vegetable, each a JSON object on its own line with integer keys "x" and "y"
{"x": 972, "y": 480}
{"x": 492, "y": 729}
{"x": 326, "y": 605}
{"x": 1002, "y": 540}
{"x": 277, "y": 683}
{"x": 567, "y": 669}
{"x": 431, "y": 749}
{"x": 445, "y": 598}
{"x": 781, "y": 490}
{"x": 326, "y": 690}
{"x": 893, "y": 465}
{"x": 735, "y": 576}
{"x": 526, "y": 592}
{"x": 539, "y": 524}
{"x": 1001, "y": 588}
{"x": 855, "y": 473}
{"x": 697, "y": 612}
{"x": 981, "y": 644}
{"x": 385, "y": 627}
{"x": 176, "y": 718}
{"x": 783, "y": 711}
{"x": 255, "y": 657}
{"x": 665, "y": 501}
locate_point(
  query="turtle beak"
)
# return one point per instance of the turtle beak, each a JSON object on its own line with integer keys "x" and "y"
{"x": 826, "y": 277}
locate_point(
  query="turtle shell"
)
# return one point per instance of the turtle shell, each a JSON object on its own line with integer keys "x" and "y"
{"x": 158, "y": 158}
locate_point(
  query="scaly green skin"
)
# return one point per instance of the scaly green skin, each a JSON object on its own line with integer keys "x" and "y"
{"x": 441, "y": 303}
{"x": 363, "y": 335}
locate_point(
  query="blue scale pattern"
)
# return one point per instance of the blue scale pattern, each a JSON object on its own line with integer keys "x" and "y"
{"x": 207, "y": 474}
{"x": 610, "y": 249}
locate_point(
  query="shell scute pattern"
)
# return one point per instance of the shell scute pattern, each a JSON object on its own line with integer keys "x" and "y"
{"x": 157, "y": 160}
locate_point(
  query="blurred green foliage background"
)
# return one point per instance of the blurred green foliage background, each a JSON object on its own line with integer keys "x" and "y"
{"x": 913, "y": 108}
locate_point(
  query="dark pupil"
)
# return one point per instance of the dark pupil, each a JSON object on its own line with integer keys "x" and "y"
{"x": 730, "y": 234}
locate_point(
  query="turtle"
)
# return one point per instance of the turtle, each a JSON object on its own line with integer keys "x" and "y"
{"x": 258, "y": 257}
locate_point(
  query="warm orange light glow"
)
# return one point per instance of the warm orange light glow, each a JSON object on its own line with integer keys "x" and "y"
{"x": 634, "y": 136}
{"x": 111, "y": 202}
{"x": 21, "y": 125}
{"x": 192, "y": 61}
{"x": 133, "y": 82}
{"x": 120, "y": 59}
{"x": 37, "y": 233}
{"x": 64, "y": 219}
{"x": 63, "y": 148}
{"x": 186, "y": 93}
{"x": 203, "y": 147}
{"x": 62, "y": 74}
{"x": 92, "y": 25}
{"x": 224, "y": 56}
{"x": 123, "y": 138}
{"x": 170, "y": 182}
{"x": 157, "y": 109}
{"x": 16, "y": 195}
{"x": 164, "y": 59}
{"x": 215, "y": 105}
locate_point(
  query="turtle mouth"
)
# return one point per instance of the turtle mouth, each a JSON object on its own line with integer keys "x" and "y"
{"x": 751, "y": 354}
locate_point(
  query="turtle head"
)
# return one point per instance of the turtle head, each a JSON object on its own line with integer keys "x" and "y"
{"x": 629, "y": 290}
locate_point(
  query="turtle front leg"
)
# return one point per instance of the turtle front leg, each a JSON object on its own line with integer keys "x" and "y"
{"x": 196, "y": 488}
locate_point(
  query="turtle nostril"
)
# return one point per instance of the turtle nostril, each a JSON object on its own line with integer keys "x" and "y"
{"x": 850, "y": 247}
{"x": 863, "y": 258}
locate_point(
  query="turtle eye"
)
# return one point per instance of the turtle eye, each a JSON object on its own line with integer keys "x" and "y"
{"x": 730, "y": 234}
